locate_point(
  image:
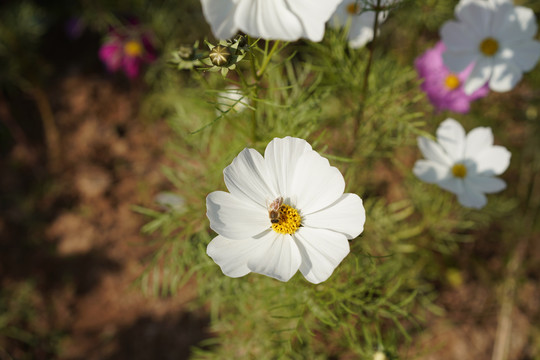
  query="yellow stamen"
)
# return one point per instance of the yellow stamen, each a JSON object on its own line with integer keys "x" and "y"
{"x": 133, "y": 48}
{"x": 452, "y": 82}
{"x": 289, "y": 220}
{"x": 489, "y": 46}
{"x": 353, "y": 8}
{"x": 459, "y": 171}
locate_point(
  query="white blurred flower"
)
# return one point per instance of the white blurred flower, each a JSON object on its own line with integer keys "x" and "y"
{"x": 285, "y": 212}
{"x": 287, "y": 20}
{"x": 231, "y": 97}
{"x": 465, "y": 165}
{"x": 497, "y": 37}
{"x": 361, "y": 21}
{"x": 170, "y": 200}
{"x": 379, "y": 355}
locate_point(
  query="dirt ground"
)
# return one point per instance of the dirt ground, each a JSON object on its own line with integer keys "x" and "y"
{"x": 75, "y": 237}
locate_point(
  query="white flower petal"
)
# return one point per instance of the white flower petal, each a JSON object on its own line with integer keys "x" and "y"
{"x": 315, "y": 183}
{"x": 452, "y": 184}
{"x": 457, "y": 37}
{"x": 346, "y": 216}
{"x": 232, "y": 256}
{"x": 505, "y": 76}
{"x": 478, "y": 140}
{"x": 322, "y": 251}
{"x": 313, "y": 15}
{"x": 278, "y": 256}
{"x": 451, "y": 136}
{"x": 477, "y": 16}
{"x": 525, "y": 54}
{"x": 234, "y": 217}
{"x": 492, "y": 161}
{"x": 281, "y": 157}
{"x": 430, "y": 171}
{"x": 457, "y": 61}
{"x": 268, "y": 19}
{"x": 220, "y": 16}
{"x": 527, "y": 20}
{"x": 248, "y": 178}
{"x": 485, "y": 184}
{"x": 433, "y": 151}
{"x": 360, "y": 35}
{"x": 472, "y": 198}
{"x": 512, "y": 24}
{"x": 479, "y": 75}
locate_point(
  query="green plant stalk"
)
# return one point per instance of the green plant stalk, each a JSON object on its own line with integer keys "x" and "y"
{"x": 258, "y": 73}
{"x": 267, "y": 57}
{"x": 365, "y": 86}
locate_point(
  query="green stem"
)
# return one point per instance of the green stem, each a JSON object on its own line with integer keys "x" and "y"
{"x": 267, "y": 57}
{"x": 365, "y": 86}
{"x": 252, "y": 58}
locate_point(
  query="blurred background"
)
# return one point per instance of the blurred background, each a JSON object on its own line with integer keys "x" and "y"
{"x": 84, "y": 138}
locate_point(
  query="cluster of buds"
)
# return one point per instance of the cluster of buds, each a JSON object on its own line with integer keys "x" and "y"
{"x": 221, "y": 57}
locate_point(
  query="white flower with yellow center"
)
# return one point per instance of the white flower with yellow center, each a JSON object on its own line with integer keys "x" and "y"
{"x": 285, "y": 212}
{"x": 465, "y": 165}
{"x": 287, "y": 20}
{"x": 497, "y": 37}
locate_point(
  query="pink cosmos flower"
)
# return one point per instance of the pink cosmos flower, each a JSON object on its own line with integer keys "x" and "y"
{"x": 444, "y": 88}
{"x": 127, "y": 50}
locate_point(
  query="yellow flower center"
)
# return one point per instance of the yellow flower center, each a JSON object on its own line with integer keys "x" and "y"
{"x": 353, "y": 8}
{"x": 289, "y": 220}
{"x": 452, "y": 82}
{"x": 459, "y": 171}
{"x": 489, "y": 46}
{"x": 133, "y": 48}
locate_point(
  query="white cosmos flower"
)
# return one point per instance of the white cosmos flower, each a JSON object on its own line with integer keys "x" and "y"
{"x": 285, "y": 212}
{"x": 465, "y": 165}
{"x": 497, "y": 37}
{"x": 287, "y": 20}
{"x": 361, "y": 22}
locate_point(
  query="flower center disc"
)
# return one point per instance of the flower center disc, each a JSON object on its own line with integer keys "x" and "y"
{"x": 489, "y": 46}
{"x": 459, "y": 170}
{"x": 452, "y": 82}
{"x": 353, "y": 8}
{"x": 289, "y": 220}
{"x": 133, "y": 48}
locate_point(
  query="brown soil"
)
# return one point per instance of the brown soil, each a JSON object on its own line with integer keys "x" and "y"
{"x": 76, "y": 237}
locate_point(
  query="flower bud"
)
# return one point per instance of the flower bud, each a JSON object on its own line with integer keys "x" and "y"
{"x": 220, "y": 55}
{"x": 186, "y": 52}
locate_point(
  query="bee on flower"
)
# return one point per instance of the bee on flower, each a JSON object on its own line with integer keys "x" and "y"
{"x": 284, "y": 212}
